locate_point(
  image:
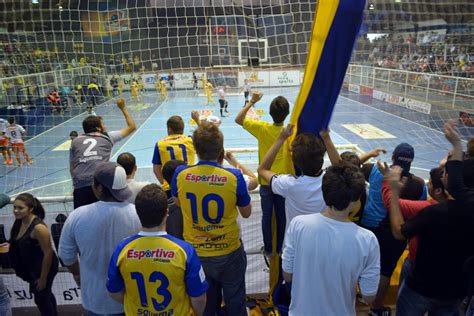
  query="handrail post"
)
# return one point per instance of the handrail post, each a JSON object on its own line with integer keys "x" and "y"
{"x": 455, "y": 92}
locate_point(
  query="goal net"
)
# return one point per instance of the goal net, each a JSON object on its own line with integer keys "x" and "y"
{"x": 411, "y": 70}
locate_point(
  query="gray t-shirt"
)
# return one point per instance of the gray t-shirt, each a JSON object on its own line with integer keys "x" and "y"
{"x": 92, "y": 232}
{"x": 86, "y": 152}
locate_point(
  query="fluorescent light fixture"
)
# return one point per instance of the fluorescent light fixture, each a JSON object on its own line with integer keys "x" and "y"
{"x": 371, "y": 6}
{"x": 34, "y": 1}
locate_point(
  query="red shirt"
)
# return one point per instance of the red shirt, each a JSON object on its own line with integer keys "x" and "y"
{"x": 409, "y": 209}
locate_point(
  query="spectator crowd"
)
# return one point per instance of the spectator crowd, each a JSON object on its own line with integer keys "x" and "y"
{"x": 433, "y": 53}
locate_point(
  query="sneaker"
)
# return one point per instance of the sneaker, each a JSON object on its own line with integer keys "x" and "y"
{"x": 10, "y": 162}
{"x": 28, "y": 163}
{"x": 383, "y": 311}
{"x": 5, "y": 162}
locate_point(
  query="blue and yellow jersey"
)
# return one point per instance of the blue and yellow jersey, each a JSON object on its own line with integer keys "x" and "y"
{"x": 173, "y": 147}
{"x": 209, "y": 195}
{"x": 158, "y": 273}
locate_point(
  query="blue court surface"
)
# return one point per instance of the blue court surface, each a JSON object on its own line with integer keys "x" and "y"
{"x": 49, "y": 174}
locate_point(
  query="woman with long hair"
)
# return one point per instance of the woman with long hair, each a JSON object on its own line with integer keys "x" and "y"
{"x": 31, "y": 251}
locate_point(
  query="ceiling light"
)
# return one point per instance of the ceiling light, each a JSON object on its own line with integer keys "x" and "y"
{"x": 371, "y": 6}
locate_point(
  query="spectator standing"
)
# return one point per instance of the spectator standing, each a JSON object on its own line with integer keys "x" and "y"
{"x": 129, "y": 164}
{"x": 31, "y": 252}
{"x": 209, "y": 196}
{"x": 375, "y": 218}
{"x": 326, "y": 256}
{"x": 174, "y": 224}
{"x": 303, "y": 193}
{"x": 266, "y": 134}
{"x": 437, "y": 284}
{"x": 91, "y": 148}
{"x": 173, "y": 262}
{"x": 175, "y": 146}
{"x": 91, "y": 233}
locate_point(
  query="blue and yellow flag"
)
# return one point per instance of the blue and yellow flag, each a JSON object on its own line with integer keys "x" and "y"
{"x": 335, "y": 29}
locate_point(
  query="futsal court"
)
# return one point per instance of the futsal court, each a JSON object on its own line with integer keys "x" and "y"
{"x": 49, "y": 174}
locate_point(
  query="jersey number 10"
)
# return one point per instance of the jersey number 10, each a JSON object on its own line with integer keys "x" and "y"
{"x": 206, "y": 200}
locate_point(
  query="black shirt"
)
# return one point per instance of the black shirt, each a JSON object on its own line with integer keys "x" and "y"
{"x": 445, "y": 241}
{"x": 174, "y": 223}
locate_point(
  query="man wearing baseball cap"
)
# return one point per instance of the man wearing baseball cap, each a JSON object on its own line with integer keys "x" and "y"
{"x": 93, "y": 231}
{"x": 375, "y": 218}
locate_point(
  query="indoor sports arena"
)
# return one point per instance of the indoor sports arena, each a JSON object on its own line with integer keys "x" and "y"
{"x": 244, "y": 157}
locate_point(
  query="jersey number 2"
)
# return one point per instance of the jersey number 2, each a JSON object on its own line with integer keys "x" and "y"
{"x": 162, "y": 290}
{"x": 173, "y": 156}
{"x": 92, "y": 143}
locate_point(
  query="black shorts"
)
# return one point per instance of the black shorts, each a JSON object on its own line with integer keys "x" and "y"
{"x": 246, "y": 95}
{"x": 391, "y": 249}
{"x": 83, "y": 196}
{"x": 222, "y": 103}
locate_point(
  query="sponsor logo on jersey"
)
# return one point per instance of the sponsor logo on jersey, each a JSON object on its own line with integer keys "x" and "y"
{"x": 212, "y": 179}
{"x": 158, "y": 253}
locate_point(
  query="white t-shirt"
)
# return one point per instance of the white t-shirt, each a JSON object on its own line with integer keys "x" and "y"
{"x": 303, "y": 194}
{"x": 3, "y": 125}
{"x": 15, "y": 133}
{"x": 328, "y": 258}
{"x": 246, "y": 88}
{"x": 221, "y": 94}
{"x": 135, "y": 187}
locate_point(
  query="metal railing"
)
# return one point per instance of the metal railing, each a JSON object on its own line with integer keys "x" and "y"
{"x": 444, "y": 91}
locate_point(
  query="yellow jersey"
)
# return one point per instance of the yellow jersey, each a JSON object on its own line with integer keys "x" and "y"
{"x": 209, "y": 195}
{"x": 266, "y": 134}
{"x": 208, "y": 87}
{"x": 134, "y": 89}
{"x": 158, "y": 273}
{"x": 173, "y": 147}
{"x": 163, "y": 85}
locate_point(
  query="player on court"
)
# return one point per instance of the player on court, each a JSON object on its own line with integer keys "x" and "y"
{"x": 163, "y": 94}
{"x": 6, "y": 152}
{"x": 14, "y": 133}
{"x": 120, "y": 86}
{"x": 135, "y": 91}
{"x": 222, "y": 101}
{"x": 153, "y": 273}
{"x": 157, "y": 83}
{"x": 210, "y": 197}
{"x": 208, "y": 91}
{"x": 141, "y": 84}
{"x": 246, "y": 89}
{"x": 195, "y": 81}
{"x": 175, "y": 146}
